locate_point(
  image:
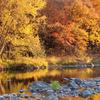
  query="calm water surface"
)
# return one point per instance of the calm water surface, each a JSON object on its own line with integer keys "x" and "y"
{"x": 11, "y": 82}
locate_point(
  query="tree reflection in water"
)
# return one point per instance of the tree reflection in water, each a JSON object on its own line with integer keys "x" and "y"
{"x": 11, "y": 82}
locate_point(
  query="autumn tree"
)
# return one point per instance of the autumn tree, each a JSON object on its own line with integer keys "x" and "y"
{"x": 58, "y": 39}
{"x": 56, "y": 11}
{"x": 78, "y": 28}
{"x": 19, "y": 25}
{"x": 88, "y": 29}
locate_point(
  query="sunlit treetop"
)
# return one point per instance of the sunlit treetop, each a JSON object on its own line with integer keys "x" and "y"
{"x": 20, "y": 21}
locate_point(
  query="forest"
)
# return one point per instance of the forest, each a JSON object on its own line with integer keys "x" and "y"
{"x": 49, "y": 49}
{"x": 48, "y": 30}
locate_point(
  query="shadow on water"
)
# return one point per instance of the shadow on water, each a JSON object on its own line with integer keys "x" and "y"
{"x": 11, "y": 82}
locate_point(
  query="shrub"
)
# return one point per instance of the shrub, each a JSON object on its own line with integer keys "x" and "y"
{"x": 55, "y": 85}
{"x": 53, "y": 60}
{"x": 38, "y": 62}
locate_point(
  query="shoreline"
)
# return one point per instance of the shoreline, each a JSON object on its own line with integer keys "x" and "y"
{"x": 51, "y": 66}
{"x": 44, "y": 91}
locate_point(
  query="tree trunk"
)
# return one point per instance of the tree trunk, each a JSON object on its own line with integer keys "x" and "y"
{"x": 2, "y": 88}
{"x": 2, "y": 49}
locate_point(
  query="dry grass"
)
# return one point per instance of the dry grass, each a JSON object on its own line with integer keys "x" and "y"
{"x": 39, "y": 61}
{"x": 33, "y": 61}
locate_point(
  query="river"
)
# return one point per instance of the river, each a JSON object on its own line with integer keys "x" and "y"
{"x": 12, "y": 82}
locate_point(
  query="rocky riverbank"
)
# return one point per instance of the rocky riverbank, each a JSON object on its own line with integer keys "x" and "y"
{"x": 43, "y": 91}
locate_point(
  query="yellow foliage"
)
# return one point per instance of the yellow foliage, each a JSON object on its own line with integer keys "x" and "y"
{"x": 53, "y": 60}
{"x": 20, "y": 24}
{"x": 38, "y": 62}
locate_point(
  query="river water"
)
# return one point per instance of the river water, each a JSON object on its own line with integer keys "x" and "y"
{"x": 12, "y": 82}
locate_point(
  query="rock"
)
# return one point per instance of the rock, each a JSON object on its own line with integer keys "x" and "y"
{"x": 73, "y": 85}
{"x": 90, "y": 83}
{"x": 60, "y": 94}
{"x": 67, "y": 79}
{"x": 86, "y": 93}
{"x": 74, "y": 93}
{"x": 6, "y": 96}
{"x": 51, "y": 97}
{"x": 34, "y": 94}
{"x": 14, "y": 98}
{"x": 50, "y": 91}
{"x": 22, "y": 91}
{"x": 1, "y": 97}
{"x": 39, "y": 86}
{"x": 10, "y": 96}
{"x": 78, "y": 81}
{"x": 98, "y": 83}
{"x": 20, "y": 95}
{"x": 72, "y": 88}
{"x": 65, "y": 88}
{"x": 97, "y": 90}
{"x": 40, "y": 97}
{"x": 72, "y": 78}
{"x": 26, "y": 96}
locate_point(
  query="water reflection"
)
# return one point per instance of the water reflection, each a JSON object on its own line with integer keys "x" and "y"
{"x": 80, "y": 73}
{"x": 12, "y": 82}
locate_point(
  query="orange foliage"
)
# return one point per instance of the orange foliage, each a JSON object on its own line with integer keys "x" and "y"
{"x": 66, "y": 38}
{"x": 56, "y": 11}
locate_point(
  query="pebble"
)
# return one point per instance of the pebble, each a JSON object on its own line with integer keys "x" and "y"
{"x": 73, "y": 88}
